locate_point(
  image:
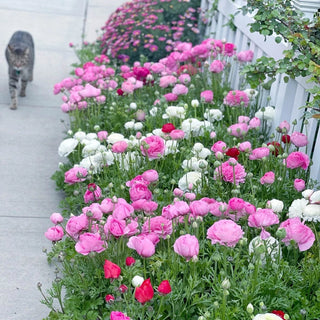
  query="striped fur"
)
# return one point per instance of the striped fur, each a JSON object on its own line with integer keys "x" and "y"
{"x": 20, "y": 58}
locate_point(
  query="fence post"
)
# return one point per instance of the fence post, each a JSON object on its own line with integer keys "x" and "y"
{"x": 308, "y": 7}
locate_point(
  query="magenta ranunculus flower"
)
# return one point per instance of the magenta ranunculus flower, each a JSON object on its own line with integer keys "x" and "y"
{"x": 236, "y": 98}
{"x": 268, "y": 178}
{"x": 299, "y": 184}
{"x": 297, "y": 159}
{"x": 238, "y": 129}
{"x": 298, "y": 232}
{"x": 263, "y": 218}
{"x": 143, "y": 245}
{"x": 150, "y": 175}
{"x": 219, "y": 146}
{"x": 158, "y": 225}
{"x": 54, "y": 233}
{"x": 117, "y": 315}
{"x": 119, "y": 146}
{"x": 153, "y": 147}
{"x": 206, "y": 96}
{"x": 199, "y": 208}
{"x": 74, "y": 175}
{"x": 56, "y": 218}
{"x": 170, "y": 97}
{"x": 77, "y": 224}
{"x": 230, "y": 171}
{"x": 216, "y": 66}
{"x": 93, "y": 193}
{"x": 140, "y": 191}
{"x": 114, "y": 226}
{"x": 187, "y": 246}
{"x": 90, "y": 242}
{"x": 299, "y": 139}
{"x": 225, "y": 232}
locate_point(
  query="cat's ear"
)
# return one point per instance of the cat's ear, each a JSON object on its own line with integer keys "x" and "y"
{"x": 10, "y": 48}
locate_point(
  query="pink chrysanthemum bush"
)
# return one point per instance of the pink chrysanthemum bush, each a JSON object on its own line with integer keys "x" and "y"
{"x": 178, "y": 203}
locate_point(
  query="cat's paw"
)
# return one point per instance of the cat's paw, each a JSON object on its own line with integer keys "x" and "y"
{"x": 13, "y": 107}
{"x": 22, "y": 94}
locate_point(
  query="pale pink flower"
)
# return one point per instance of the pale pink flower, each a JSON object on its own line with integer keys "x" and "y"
{"x": 179, "y": 89}
{"x": 299, "y": 184}
{"x": 158, "y": 225}
{"x": 145, "y": 205}
{"x": 254, "y": 123}
{"x": 284, "y": 127}
{"x": 218, "y": 208}
{"x": 238, "y": 129}
{"x": 244, "y": 119}
{"x": 140, "y": 191}
{"x": 144, "y": 246}
{"x": 102, "y": 135}
{"x": 268, "y": 178}
{"x": 263, "y": 218}
{"x": 119, "y": 146}
{"x": 114, "y": 226}
{"x": 225, "y": 232}
{"x": 166, "y": 81}
{"x": 297, "y": 159}
{"x": 54, "y": 233}
{"x": 236, "y": 98}
{"x": 153, "y": 147}
{"x": 158, "y": 67}
{"x": 76, "y": 224}
{"x": 216, "y": 66}
{"x": 245, "y": 56}
{"x": 190, "y": 195}
{"x": 245, "y": 146}
{"x": 101, "y": 99}
{"x": 122, "y": 209}
{"x": 187, "y": 246}
{"x": 299, "y": 139}
{"x": 184, "y": 78}
{"x": 259, "y": 153}
{"x": 206, "y": 96}
{"x": 178, "y": 192}
{"x": 94, "y": 211}
{"x": 90, "y": 242}
{"x": 127, "y": 87}
{"x": 56, "y": 218}
{"x": 182, "y": 207}
{"x": 107, "y": 205}
{"x": 150, "y": 175}
{"x": 230, "y": 171}
{"x": 177, "y": 134}
{"x": 199, "y": 208}
{"x": 89, "y": 91}
{"x": 298, "y": 232}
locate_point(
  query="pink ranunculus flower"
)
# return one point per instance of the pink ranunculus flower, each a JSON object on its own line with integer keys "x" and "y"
{"x": 150, "y": 175}
{"x": 284, "y": 127}
{"x": 117, "y": 315}
{"x": 182, "y": 207}
{"x": 177, "y": 134}
{"x": 169, "y": 212}
{"x": 230, "y": 171}
{"x": 56, "y": 218}
{"x": 119, "y": 146}
{"x": 206, "y": 96}
{"x": 199, "y": 208}
{"x": 114, "y": 227}
{"x": 236, "y": 208}
{"x": 219, "y": 146}
{"x": 95, "y": 211}
{"x": 299, "y": 139}
{"x": 89, "y": 91}
{"x": 158, "y": 225}
{"x": 187, "y": 246}
{"x": 127, "y": 87}
{"x": 263, "y": 218}
{"x": 238, "y": 129}
{"x": 54, "y": 233}
{"x": 166, "y": 81}
{"x": 93, "y": 193}
{"x": 236, "y": 98}
{"x": 216, "y": 66}
{"x": 170, "y": 97}
{"x": 225, "y": 232}
{"x": 153, "y": 147}
{"x": 297, "y": 159}
{"x": 102, "y": 135}
{"x": 77, "y": 224}
{"x": 245, "y": 56}
{"x": 254, "y": 123}
{"x": 90, "y": 242}
{"x": 259, "y": 153}
{"x": 74, "y": 175}
{"x": 107, "y": 205}
{"x": 298, "y": 232}
{"x": 299, "y": 184}
{"x": 122, "y": 209}
{"x": 244, "y": 119}
{"x": 179, "y": 89}
{"x": 245, "y": 146}
{"x": 268, "y": 178}
{"x": 144, "y": 246}
{"x": 140, "y": 191}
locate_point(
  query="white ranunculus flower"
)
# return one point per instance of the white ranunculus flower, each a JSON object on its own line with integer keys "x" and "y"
{"x": 137, "y": 281}
{"x": 213, "y": 115}
{"x": 266, "y": 316}
{"x": 307, "y": 193}
{"x": 176, "y": 112}
{"x": 269, "y": 246}
{"x": 251, "y": 93}
{"x": 91, "y": 136}
{"x": 153, "y": 111}
{"x": 190, "y": 164}
{"x": 131, "y": 160}
{"x": 80, "y": 135}
{"x": 89, "y": 164}
{"x": 104, "y": 158}
{"x": 192, "y": 177}
{"x": 195, "y": 103}
{"x": 91, "y": 148}
{"x": 158, "y": 132}
{"x": 114, "y": 137}
{"x": 133, "y": 106}
{"x": 315, "y": 197}
{"x": 311, "y": 212}
{"x": 191, "y": 126}
{"x": 67, "y": 146}
{"x": 129, "y": 125}
{"x": 267, "y": 114}
{"x": 133, "y": 142}
{"x": 171, "y": 147}
{"x": 138, "y": 126}
{"x": 275, "y": 205}
{"x": 296, "y": 208}
{"x": 197, "y": 147}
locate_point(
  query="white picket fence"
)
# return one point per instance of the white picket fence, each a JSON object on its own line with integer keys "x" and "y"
{"x": 287, "y": 98}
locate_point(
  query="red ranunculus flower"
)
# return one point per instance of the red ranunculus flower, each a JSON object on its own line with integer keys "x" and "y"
{"x": 123, "y": 288}
{"x": 145, "y": 292}
{"x": 277, "y": 148}
{"x": 233, "y": 152}
{"x": 109, "y": 298}
{"x": 285, "y": 138}
{"x": 164, "y": 287}
{"x": 167, "y": 127}
{"x": 111, "y": 270}
{"x": 279, "y": 313}
{"x": 130, "y": 261}
{"x": 187, "y": 68}
{"x": 120, "y": 92}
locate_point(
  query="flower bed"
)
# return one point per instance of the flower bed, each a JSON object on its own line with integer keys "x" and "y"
{"x": 179, "y": 201}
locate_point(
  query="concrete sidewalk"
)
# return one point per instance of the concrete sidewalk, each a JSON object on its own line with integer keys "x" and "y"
{"x": 30, "y": 137}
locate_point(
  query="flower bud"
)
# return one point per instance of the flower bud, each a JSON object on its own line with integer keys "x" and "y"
{"x": 137, "y": 281}
{"x": 250, "y": 308}
{"x": 226, "y": 284}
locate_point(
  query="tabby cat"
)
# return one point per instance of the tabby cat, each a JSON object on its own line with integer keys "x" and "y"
{"x": 20, "y": 57}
